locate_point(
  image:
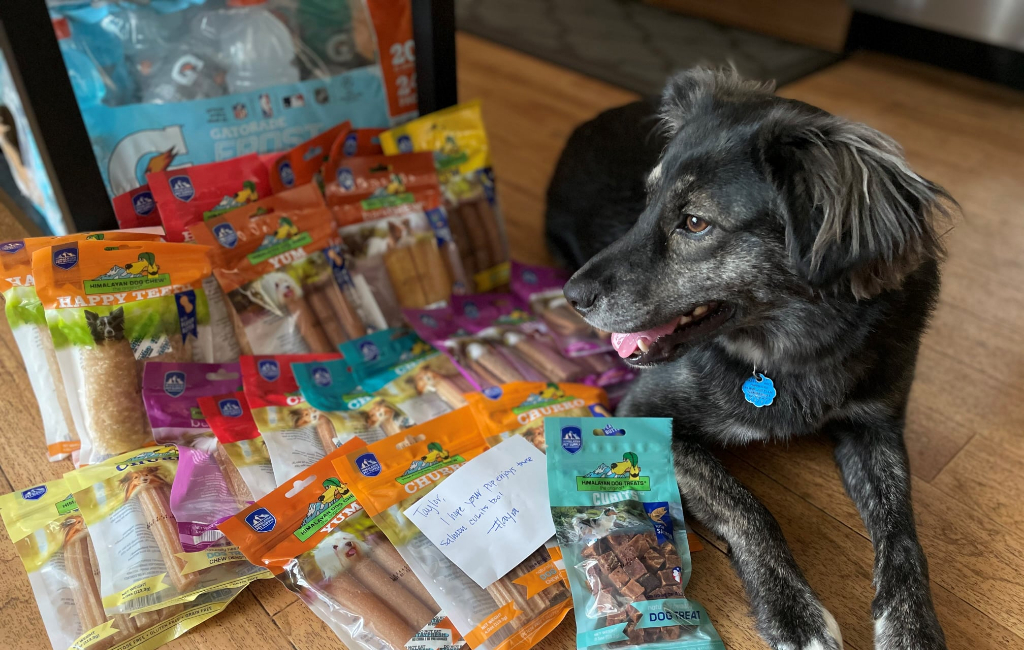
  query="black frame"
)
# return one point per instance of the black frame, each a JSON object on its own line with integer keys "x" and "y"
{"x": 37, "y": 67}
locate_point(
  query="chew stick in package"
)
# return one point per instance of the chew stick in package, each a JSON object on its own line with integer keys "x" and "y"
{"x": 27, "y": 319}
{"x": 289, "y": 425}
{"x": 541, "y": 288}
{"x": 384, "y": 404}
{"x": 54, "y": 544}
{"x": 619, "y": 522}
{"x": 317, "y": 539}
{"x": 391, "y": 475}
{"x": 189, "y": 195}
{"x": 458, "y": 141}
{"x": 232, "y": 423}
{"x": 276, "y": 271}
{"x": 393, "y": 224}
{"x": 142, "y": 565}
{"x": 519, "y": 408}
{"x": 111, "y": 308}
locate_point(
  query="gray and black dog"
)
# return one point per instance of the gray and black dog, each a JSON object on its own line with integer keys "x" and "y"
{"x": 757, "y": 238}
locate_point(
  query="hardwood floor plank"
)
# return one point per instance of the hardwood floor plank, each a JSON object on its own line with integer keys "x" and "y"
{"x": 304, "y": 630}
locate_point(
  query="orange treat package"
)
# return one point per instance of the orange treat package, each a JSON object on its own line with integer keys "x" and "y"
{"x": 301, "y": 164}
{"x": 517, "y": 610}
{"x": 395, "y": 229}
{"x": 27, "y": 319}
{"x": 111, "y": 308}
{"x": 278, "y": 273}
{"x": 519, "y": 408}
{"x": 300, "y": 197}
{"x": 317, "y": 539}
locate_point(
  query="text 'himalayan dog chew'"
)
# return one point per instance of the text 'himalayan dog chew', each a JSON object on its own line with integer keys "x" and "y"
{"x": 776, "y": 283}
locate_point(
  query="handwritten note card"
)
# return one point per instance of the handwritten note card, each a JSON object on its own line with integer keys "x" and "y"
{"x": 492, "y": 513}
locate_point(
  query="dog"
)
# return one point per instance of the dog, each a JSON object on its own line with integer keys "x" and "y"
{"x": 756, "y": 238}
{"x": 106, "y": 328}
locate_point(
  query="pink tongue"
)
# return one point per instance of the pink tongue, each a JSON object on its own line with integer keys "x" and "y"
{"x": 626, "y": 344}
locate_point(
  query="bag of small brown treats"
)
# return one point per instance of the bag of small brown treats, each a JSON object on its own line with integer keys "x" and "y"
{"x": 619, "y": 522}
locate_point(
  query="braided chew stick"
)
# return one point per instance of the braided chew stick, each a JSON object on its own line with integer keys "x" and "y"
{"x": 387, "y": 557}
{"x": 154, "y": 497}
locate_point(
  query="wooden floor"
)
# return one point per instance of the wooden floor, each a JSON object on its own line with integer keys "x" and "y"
{"x": 966, "y": 421}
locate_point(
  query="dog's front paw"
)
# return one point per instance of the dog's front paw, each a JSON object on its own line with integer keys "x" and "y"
{"x": 911, "y": 631}
{"x": 807, "y": 626}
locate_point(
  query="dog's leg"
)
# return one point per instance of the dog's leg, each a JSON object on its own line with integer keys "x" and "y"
{"x": 873, "y": 460}
{"x": 788, "y": 613}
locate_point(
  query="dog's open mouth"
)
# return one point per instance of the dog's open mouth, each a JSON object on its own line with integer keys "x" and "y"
{"x": 661, "y": 343}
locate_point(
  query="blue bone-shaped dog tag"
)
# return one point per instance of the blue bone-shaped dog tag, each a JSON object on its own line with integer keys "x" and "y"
{"x": 759, "y": 391}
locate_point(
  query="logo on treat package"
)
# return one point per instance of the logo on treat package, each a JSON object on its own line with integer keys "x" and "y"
{"x": 322, "y": 376}
{"x": 435, "y": 458}
{"x": 346, "y": 180}
{"x": 226, "y": 235}
{"x": 143, "y": 203}
{"x": 65, "y": 258}
{"x": 404, "y": 144}
{"x": 351, "y": 145}
{"x": 230, "y": 408}
{"x": 34, "y": 493}
{"x": 369, "y": 351}
{"x": 268, "y": 369}
{"x": 367, "y": 465}
{"x": 261, "y": 520}
{"x": 285, "y": 173}
{"x": 572, "y": 439}
{"x": 181, "y": 188}
{"x": 321, "y": 515}
{"x": 616, "y": 476}
{"x": 12, "y": 246}
{"x": 174, "y": 383}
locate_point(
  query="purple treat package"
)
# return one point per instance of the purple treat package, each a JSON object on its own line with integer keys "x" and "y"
{"x": 201, "y": 499}
{"x": 541, "y": 288}
{"x": 170, "y": 391}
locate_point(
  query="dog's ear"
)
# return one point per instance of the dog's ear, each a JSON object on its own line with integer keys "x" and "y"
{"x": 856, "y": 216}
{"x": 689, "y": 91}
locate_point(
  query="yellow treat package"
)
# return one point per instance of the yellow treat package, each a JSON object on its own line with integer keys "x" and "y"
{"x": 462, "y": 156}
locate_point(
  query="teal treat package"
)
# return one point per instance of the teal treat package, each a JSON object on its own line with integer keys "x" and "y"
{"x": 619, "y": 522}
{"x": 379, "y": 351}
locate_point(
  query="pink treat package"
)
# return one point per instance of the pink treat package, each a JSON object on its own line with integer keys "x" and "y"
{"x": 540, "y": 287}
{"x": 202, "y": 497}
{"x": 170, "y": 392}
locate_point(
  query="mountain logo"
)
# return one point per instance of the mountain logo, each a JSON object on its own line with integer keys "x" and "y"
{"x": 181, "y": 188}
{"x": 174, "y": 383}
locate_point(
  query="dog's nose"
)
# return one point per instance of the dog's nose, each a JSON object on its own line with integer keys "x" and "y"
{"x": 581, "y": 293}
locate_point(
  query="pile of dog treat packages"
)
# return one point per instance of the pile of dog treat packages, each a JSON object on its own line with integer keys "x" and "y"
{"x": 320, "y": 366}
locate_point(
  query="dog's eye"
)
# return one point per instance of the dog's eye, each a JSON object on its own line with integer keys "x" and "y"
{"x": 694, "y": 224}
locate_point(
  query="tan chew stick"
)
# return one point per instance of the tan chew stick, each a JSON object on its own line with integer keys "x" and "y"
{"x": 83, "y": 570}
{"x": 428, "y": 381}
{"x": 564, "y": 320}
{"x": 485, "y": 376}
{"x": 596, "y": 362}
{"x": 306, "y": 323}
{"x": 154, "y": 497}
{"x": 493, "y": 362}
{"x": 387, "y": 557}
{"x": 477, "y": 237}
{"x": 548, "y": 362}
{"x": 344, "y": 311}
{"x": 377, "y": 580}
{"x": 430, "y": 269}
{"x": 330, "y": 324}
{"x": 460, "y": 237}
{"x": 353, "y": 597}
{"x": 232, "y": 477}
{"x": 58, "y": 380}
{"x": 326, "y": 432}
{"x": 115, "y": 414}
{"x": 492, "y": 230}
{"x": 146, "y": 620}
{"x": 405, "y": 280}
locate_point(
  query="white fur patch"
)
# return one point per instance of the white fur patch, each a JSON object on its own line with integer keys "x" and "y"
{"x": 833, "y": 627}
{"x": 655, "y": 175}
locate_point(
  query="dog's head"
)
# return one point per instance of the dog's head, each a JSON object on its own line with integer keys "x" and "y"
{"x": 760, "y": 210}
